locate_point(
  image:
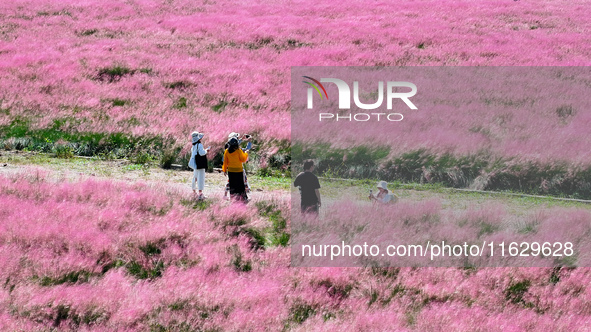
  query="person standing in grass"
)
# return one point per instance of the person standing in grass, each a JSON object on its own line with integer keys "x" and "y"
{"x": 198, "y": 163}
{"x": 246, "y": 138}
{"x": 234, "y": 158}
{"x": 309, "y": 189}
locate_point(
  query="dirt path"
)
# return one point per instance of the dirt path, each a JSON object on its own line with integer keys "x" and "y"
{"x": 78, "y": 168}
{"x": 75, "y": 169}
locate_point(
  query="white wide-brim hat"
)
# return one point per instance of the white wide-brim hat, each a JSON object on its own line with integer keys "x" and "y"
{"x": 234, "y": 135}
{"x": 383, "y": 185}
{"x": 196, "y": 136}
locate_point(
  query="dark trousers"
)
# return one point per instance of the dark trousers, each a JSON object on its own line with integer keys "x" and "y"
{"x": 237, "y": 188}
{"x": 311, "y": 209}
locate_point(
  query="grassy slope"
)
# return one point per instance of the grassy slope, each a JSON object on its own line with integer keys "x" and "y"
{"x": 414, "y": 297}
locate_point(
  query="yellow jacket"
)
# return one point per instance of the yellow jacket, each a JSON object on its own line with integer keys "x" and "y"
{"x": 233, "y": 161}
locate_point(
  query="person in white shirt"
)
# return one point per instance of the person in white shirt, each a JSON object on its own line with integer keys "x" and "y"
{"x": 198, "y": 163}
{"x": 384, "y": 195}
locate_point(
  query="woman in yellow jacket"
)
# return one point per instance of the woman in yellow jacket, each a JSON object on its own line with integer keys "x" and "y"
{"x": 234, "y": 157}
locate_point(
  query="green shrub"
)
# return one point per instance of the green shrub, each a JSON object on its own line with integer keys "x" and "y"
{"x": 138, "y": 271}
{"x": 168, "y": 157}
{"x": 63, "y": 151}
{"x": 515, "y": 292}
{"x": 88, "y": 32}
{"x": 220, "y": 106}
{"x": 71, "y": 277}
{"x": 276, "y": 233}
{"x": 142, "y": 158}
{"x": 237, "y": 261}
{"x": 179, "y": 85}
{"x": 113, "y": 74}
{"x": 299, "y": 312}
{"x": 180, "y": 103}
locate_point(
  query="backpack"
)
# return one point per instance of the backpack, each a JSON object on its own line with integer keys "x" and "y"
{"x": 197, "y": 161}
{"x": 200, "y": 161}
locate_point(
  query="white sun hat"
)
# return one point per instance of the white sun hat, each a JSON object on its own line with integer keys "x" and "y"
{"x": 196, "y": 136}
{"x": 234, "y": 135}
{"x": 383, "y": 185}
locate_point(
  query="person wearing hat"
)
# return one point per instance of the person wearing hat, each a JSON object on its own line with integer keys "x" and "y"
{"x": 198, "y": 163}
{"x": 384, "y": 195}
{"x": 234, "y": 158}
{"x": 245, "y": 138}
{"x": 240, "y": 139}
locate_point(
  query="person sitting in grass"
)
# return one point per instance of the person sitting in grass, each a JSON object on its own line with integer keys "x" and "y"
{"x": 384, "y": 195}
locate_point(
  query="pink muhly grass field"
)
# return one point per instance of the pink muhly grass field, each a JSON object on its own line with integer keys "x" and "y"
{"x": 97, "y": 255}
{"x": 148, "y": 67}
{"x": 428, "y": 221}
{"x": 103, "y": 255}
